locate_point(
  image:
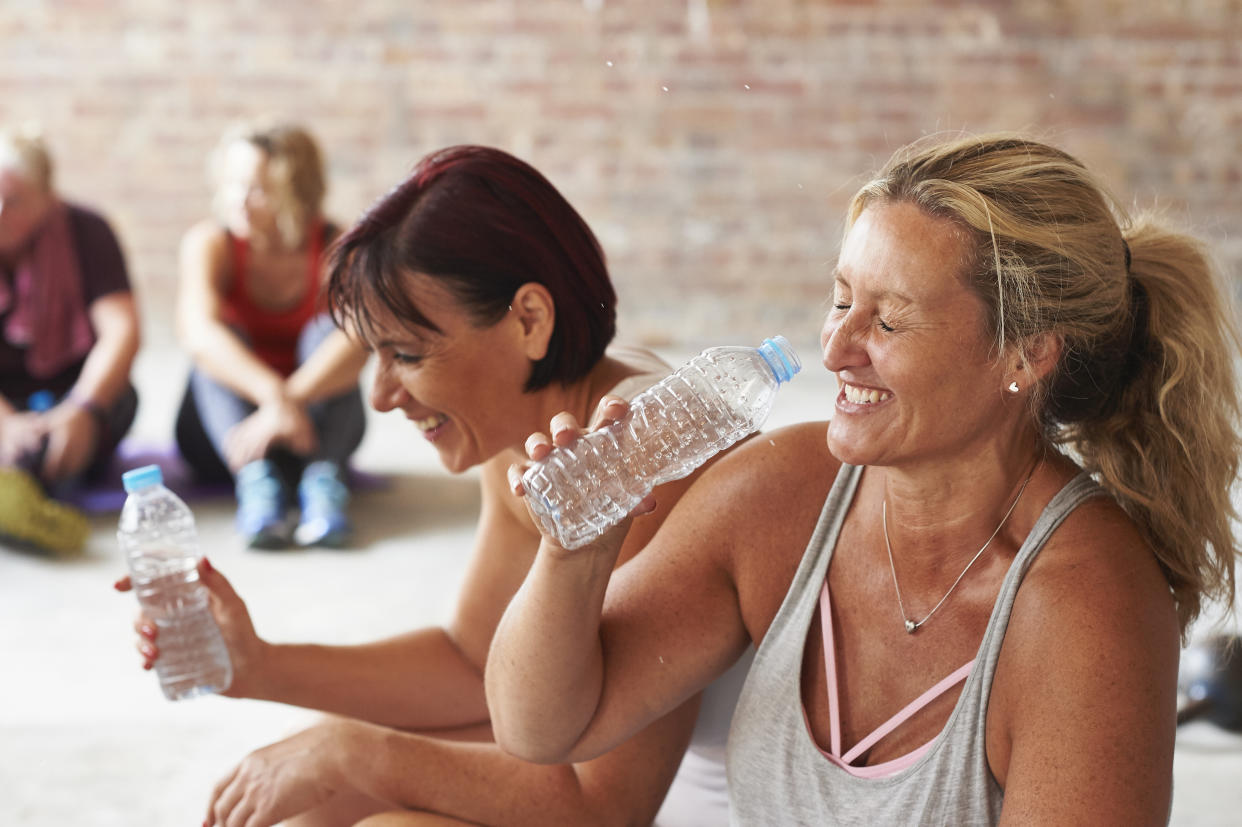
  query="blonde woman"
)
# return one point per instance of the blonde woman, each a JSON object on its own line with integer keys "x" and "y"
{"x": 967, "y": 588}
{"x": 273, "y": 399}
{"x": 68, "y": 337}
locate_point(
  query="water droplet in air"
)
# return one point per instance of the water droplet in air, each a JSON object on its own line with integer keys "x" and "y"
{"x": 608, "y": 63}
{"x": 745, "y": 85}
{"x": 665, "y": 88}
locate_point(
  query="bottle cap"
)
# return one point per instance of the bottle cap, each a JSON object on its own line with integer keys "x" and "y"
{"x": 40, "y": 401}
{"x": 780, "y": 356}
{"x": 140, "y": 478}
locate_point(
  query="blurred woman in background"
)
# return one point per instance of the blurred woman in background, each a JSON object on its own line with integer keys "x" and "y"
{"x": 273, "y": 399}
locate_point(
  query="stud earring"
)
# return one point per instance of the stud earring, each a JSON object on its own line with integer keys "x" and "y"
{"x": 1012, "y": 387}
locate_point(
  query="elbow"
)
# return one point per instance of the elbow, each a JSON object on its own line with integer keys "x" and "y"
{"x": 530, "y": 735}
{"x": 529, "y": 746}
{"x": 133, "y": 343}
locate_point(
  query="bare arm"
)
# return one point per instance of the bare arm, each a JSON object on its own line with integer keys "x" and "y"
{"x": 1081, "y": 723}
{"x": 569, "y": 677}
{"x": 474, "y": 782}
{"x": 106, "y": 370}
{"x": 73, "y": 430}
{"x": 427, "y": 679}
{"x": 330, "y": 371}
{"x": 215, "y": 349}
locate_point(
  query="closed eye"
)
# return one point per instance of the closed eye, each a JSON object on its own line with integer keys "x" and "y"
{"x": 406, "y": 358}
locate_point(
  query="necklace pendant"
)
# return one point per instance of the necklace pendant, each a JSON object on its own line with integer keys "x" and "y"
{"x": 911, "y": 626}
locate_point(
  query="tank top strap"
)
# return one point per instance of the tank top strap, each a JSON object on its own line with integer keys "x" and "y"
{"x": 238, "y": 249}
{"x": 318, "y": 230}
{"x": 1075, "y": 492}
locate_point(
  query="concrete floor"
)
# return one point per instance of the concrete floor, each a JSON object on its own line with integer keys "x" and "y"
{"x": 87, "y": 739}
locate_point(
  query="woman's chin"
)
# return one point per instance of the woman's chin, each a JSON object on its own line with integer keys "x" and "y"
{"x": 852, "y": 449}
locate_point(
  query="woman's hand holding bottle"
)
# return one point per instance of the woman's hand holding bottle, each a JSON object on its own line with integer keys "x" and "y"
{"x": 244, "y": 645}
{"x": 564, "y": 430}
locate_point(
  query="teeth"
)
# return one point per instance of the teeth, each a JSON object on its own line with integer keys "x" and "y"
{"x": 864, "y": 396}
{"x": 429, "y": 422}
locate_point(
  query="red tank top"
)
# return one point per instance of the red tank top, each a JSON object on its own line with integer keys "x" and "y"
{"x": 273, "y": 334}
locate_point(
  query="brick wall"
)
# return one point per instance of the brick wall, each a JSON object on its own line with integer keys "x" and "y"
{"x": 711, "y": 144}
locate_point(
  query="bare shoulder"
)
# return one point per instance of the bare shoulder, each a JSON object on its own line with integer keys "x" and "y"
{"x": 1096, "y": 569}
{"x": 204, "y": 254}
{"x": 779, "y": 472}
{"x": 204, "y": 237}
{"x": 1087, "y": 672}
{"x": 754, "y": 511}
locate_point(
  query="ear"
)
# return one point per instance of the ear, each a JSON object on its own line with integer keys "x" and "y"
{"x": 1042, "y": 352}
{"x": 535, "y": 313}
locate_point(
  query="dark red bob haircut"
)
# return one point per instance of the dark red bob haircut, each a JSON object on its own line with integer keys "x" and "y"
{"x": 482, "y": 223}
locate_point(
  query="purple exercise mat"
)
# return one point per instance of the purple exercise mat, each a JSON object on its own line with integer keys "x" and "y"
{"x": 107, "y": 494}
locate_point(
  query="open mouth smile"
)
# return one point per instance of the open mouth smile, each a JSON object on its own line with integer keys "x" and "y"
{"x": 856, "y": 395}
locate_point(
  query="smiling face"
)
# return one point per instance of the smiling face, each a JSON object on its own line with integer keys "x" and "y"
{"x": 462, "y": 387}
{"x": 907, "y": 342}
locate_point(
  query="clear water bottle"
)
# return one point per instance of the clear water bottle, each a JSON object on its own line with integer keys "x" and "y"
{"x": 577, "y": 493}
{"x": 160, "y": 544}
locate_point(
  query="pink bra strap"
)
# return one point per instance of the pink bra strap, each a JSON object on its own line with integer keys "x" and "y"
{"x": 834, "y": 709}
{"x": 910, "y": 709}
{"x": 830, "y": 667}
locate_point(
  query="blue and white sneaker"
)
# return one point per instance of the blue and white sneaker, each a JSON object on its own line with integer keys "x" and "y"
{"x": 261, "y": 506}
{"x": 325, "y": 499}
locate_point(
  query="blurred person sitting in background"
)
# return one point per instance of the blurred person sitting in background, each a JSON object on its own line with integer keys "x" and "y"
{"x": 488, "y": 303}
{"x": 69, "y": 332}
{"x": 273, "y": 400}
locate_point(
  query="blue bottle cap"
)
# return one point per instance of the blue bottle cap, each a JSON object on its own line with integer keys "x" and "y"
{"x": 40, "y": 401}
{"x": 140, "y": 478}
{"x": 780, "y": 356}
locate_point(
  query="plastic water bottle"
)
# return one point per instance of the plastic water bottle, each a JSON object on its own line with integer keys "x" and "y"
{"x": 577, "y": 493}
{"x": 160, "y": 544}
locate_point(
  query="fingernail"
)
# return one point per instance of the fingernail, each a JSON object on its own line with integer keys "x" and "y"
{"x": 207, "y": 564}
{"x": 148, "y": 630}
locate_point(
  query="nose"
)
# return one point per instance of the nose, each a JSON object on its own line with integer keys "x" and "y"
{"x": 841, "y": 343}
{"x": 386, "y": 392}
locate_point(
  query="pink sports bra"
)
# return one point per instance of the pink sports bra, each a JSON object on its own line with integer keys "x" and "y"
{"x": 834, "y": 755}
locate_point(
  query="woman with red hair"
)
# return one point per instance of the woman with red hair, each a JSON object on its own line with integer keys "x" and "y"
{"x": 487, "y": 302}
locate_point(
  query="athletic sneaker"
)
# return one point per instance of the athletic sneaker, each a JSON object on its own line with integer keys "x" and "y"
{"x": 261, "y": 506}
{"x": 324, "y": 498}
{"x": 29, "y": 516}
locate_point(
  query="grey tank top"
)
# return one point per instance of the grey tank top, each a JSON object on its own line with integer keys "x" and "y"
{"x": 777, "y": 775}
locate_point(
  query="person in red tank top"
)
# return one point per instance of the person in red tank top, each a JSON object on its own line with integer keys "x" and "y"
{"x": 273, "y": 401}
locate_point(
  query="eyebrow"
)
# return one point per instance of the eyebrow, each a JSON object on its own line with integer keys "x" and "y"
{"x": 837, "y": 276}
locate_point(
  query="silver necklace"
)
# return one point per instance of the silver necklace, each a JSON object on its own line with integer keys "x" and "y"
{"x": 911, "y": 625}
